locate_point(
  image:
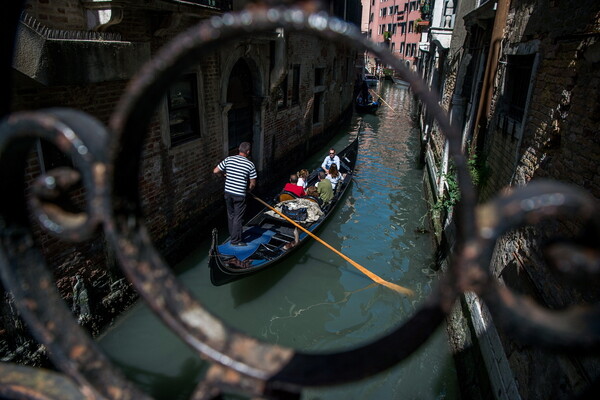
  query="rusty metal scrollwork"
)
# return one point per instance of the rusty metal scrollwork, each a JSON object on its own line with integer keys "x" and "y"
{"x": 108, "y": 167}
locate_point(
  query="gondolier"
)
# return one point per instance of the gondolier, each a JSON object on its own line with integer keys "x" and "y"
{"x": 240, "y": 177}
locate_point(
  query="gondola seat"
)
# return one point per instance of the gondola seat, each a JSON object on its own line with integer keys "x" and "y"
{"x": 314, "y": 199}
{"x": 285, "y": 195}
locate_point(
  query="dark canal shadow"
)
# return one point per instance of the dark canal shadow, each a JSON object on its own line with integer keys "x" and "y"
{"x": 168, "y": 387}
{"x": 253, "y": 287}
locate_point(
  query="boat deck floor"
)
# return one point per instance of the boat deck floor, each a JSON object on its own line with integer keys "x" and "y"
{"x": 265, "y": 240}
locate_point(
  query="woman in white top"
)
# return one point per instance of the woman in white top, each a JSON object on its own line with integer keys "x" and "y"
{"x": 302, "y": 177}
{"x": 334, "y": 175}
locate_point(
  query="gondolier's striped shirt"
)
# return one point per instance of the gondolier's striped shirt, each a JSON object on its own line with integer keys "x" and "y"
{"x": 239, "y": 170}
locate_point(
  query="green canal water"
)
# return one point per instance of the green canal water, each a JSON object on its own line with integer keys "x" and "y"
{"x": 314, "y": 300}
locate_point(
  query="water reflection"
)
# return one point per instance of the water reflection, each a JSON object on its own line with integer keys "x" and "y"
{"x": 254, "y": 287}
{"x": 314, "y": 300}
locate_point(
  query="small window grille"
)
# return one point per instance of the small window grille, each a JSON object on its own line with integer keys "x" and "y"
{"x": 182, "y": 101}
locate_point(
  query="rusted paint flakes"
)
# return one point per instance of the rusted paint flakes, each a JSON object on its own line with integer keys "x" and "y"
{"x": 77, "y": 351}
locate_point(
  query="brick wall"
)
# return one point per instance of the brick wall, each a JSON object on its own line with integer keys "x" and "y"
{"x": 58, "y": 14}
{"x": 559, "y": 141}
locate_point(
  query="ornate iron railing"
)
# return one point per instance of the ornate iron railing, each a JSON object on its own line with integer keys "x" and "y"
{"x": 108, "y": 166}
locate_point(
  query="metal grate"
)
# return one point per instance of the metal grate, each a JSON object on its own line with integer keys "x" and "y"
{"x": 108, "y": 165}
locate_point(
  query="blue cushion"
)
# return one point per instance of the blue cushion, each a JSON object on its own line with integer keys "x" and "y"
{"x": 253, "y": 237}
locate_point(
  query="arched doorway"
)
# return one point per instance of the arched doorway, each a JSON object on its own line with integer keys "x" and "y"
{"x": 240, "y": 115}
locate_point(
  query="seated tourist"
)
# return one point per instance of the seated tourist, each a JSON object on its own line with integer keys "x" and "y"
{"x": 313, "y": 192}
{"x": 293, "y": 187}
{"x": 330, "y": 159}
{"x": 324, "y": 188}
{"x": 334, "y": 175}
{"x": 302, "y": 178}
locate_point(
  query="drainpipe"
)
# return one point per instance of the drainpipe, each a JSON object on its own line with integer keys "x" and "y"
{"x": 487, "y": 90}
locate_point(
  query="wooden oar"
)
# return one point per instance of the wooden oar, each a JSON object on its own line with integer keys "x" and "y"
{"x": 378, "y": 96}
{"x": 362, "y": 269}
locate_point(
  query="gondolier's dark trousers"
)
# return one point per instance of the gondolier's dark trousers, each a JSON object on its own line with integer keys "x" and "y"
{"x": 236, "y": 207}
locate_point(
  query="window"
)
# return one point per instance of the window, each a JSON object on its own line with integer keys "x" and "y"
{"x": 317, "y": 107}
{"x": 401, "y": 48}
{"x": 182, "y": 102}
{"x": 516, "y": 88}
{"x": 334, "y": 69}
{"x": 51, "y": 157}
{"x": 448, "y": 21}
{"x": 296, "y": 84}
{"x": 348, "y": 69}
{"x": 283, "y": 94}
{"x": 319, "y": 76}
{"x": 411, "y": 26}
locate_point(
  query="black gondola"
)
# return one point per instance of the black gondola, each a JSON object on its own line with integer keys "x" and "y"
{"x": 366, "y": 106}
{"x": 270, "y": 239}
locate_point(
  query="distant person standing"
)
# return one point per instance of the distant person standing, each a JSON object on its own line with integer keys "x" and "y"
{"x": 330, "y": 159}
{"x": 240, "y": 177}
{"x": 364, "y": 92}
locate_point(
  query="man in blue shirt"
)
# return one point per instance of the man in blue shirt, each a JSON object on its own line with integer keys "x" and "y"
{"x": 240, "y": 177}
{"x": 330, "y": 159}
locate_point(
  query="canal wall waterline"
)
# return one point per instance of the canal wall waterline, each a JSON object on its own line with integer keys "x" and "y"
{"x": 481, "y": 362}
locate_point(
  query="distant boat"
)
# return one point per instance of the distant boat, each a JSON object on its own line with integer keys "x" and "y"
{"x": 368, "y": 106}
{"x": 371, "y": 80}
{"x": 400, "y": 82}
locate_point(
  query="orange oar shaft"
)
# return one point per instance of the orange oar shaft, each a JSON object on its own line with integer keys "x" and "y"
{"x": 381, "y": 98}
{"x": 362, "y": 269}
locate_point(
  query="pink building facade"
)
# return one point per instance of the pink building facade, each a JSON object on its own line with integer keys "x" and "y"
{"x": 398, "y": 25}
